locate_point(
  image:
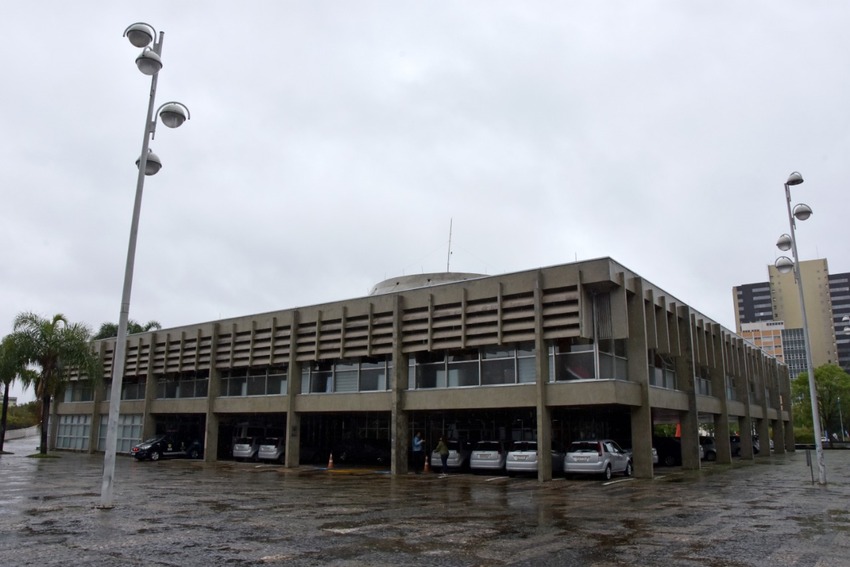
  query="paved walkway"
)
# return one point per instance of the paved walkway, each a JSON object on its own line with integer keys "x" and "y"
{"x": 180, "y": 513}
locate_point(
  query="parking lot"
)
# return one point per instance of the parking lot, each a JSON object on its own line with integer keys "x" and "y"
{"x": 188, "y": 512}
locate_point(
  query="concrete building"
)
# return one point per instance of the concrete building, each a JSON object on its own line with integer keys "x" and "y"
{"x": 827, "y": 301}
{"x": 839, "y": 294}
{"x": 766, "y": 335}
{"x": 587, "y": 349}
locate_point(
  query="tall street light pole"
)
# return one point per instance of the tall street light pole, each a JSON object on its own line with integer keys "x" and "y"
{"x": 172, "y": 114}
{"x": 785, "y": 265}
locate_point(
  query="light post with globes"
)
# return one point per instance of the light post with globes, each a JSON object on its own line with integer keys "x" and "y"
{"x": 784, "y": 265}
{"x": 172, "y": 114}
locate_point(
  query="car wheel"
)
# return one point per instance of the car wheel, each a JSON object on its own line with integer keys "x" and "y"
{"x": 608, "y": 472}
{"x": 155, "y": 455}
{"x": 194, "y": 453}
{"x": 711, "y": 456}
{"x": 669, "y": 460}
{"x": 628, "y": 471}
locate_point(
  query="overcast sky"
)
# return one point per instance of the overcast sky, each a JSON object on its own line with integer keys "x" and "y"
{"x": 331, "y": 144}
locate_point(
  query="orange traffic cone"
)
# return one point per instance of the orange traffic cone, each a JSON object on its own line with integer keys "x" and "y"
{"x": 427, "y": 468}
{"x": 331, "y": 461}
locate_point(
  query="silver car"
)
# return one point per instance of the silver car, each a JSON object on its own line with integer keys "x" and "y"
{"x": 603, "y": 457}
{"x": 522, "y": 458}
{"x": 271, "y": 449}
{"x": 245, "y": 448}
{"x": 488, "y": 456}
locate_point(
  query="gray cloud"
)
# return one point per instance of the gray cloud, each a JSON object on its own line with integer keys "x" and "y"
{"x": 331, "y": 144}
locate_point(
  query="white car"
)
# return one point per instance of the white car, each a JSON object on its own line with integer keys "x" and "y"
{"x": 603, "y": 457}
{"x": 522, "y": 458}
{"x": 245, "y": 448}
{"x": 271, "y": 449}
{"x": 488, "y": 456}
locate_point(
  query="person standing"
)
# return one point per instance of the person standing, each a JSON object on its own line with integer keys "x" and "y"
{"x": 418, "y": 452}
{"x": 443, "y": 450}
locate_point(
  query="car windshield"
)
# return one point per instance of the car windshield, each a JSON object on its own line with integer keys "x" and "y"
{"x": 270, "y": 441}
{"x": 487, "y": 446}
{"x": 524, "y": 446}
{"x": 584, "y": 447}
{"x": 244, "y": 441}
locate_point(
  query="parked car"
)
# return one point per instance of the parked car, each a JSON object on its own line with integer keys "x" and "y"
{"x": 167, "y": 446}
{"x": 654, "y": 455}
{"x": 669, "y": 450}
{"x": 522, "y": 458}
{"x": 245, "y": 448}
{"x": 735, "y": 445}
{"x": 709, "y": 448}
{"x": 363, "y": 452}
{"x": 488, "y": 456}
{"x": 271, "y": 449}
{"x": 601, "y": 456}
{"x": 458, "y": 455}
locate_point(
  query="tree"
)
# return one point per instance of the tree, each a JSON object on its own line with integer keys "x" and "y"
{"x": 57, "y": 349}
{"x": 110, "y": 330}
{"x": 832, "y": 384}
{"x": 10, "y": 369}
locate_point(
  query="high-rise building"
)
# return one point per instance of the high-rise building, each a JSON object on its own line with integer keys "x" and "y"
{"x": 827, "y": 302}
{"x": 839, "y": 293}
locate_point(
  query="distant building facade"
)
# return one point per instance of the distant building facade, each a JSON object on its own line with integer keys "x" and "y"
{"x": 777, "y": 300}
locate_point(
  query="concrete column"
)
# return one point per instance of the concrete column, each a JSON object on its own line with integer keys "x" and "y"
{"x": 541, "y": 360}
{"x": 762, "y": 381}
{"x": 717, "y": 372}
{"x": 148, "y": 423}
{"x": 685, "y": 378}
{"x": 786, "y": 406}
{"x": 292, "y": 449}
{"x": 746, "y": 421}
{"x": 97, "y": 398}
{"x": 399, "y": 419}
{"x": 212, "y": 418}
{"x": 638, "y": 352}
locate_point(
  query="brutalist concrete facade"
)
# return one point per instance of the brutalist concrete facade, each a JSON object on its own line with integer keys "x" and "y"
{"x": 577, "y": 337}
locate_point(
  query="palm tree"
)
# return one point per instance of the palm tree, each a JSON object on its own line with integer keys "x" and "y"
{"x": 57, "y": 348}
{"x": 10, "y": 369}
{"x": 110, "y": 330}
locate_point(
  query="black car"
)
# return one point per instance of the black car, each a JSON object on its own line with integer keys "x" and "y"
{"x": 669, "y": 450}
{"x": 363, "y": 452}
{"x": 167, "y": 446}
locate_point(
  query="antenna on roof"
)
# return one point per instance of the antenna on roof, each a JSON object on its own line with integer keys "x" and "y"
{"x": 449, "y": 256}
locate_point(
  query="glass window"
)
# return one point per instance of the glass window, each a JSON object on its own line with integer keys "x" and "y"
{"x": 256, "y": 385}
{"x": 373, "y": 376}
{"x": 527, "y": 370}
{"x": 497, "y": 352}
{"x": 346, "y": 381}
{"x": 462, "y": 374}
{"x": 431, "y": 375}
{"x": 575, "y": 366}
{"x": 237, "y": 386}
{"x": 277, "y": 384}
{"x": 500, "y": 371}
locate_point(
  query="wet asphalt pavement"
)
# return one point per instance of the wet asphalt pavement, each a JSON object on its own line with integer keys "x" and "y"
{"x": 184, "y": 513}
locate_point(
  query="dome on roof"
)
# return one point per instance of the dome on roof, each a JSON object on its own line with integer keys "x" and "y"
{"x": 403, "y": 283}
